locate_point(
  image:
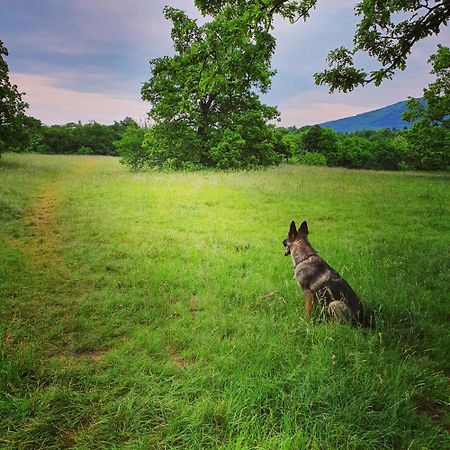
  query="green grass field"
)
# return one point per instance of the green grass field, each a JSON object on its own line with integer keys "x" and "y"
{"x": 153, "y": 310}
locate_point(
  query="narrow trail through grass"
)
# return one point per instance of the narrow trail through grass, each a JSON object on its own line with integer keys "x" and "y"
{"x": 44, "y": 242}
{"x": 157, "y": 311}
{"x": 52, "y": 305}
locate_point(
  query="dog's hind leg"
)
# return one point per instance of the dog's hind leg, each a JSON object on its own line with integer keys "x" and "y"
{"x": 338, "y": 310}
{"x": 309, "y": 297}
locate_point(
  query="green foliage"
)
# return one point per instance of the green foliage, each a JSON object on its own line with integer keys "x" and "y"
{"x": 175, "y": 321}
{"x": 98, "y": 137}
{"x": 13, "y": 121}
{"x": 418, "y": 148}
{"x": 76, "y": 138}
{"x": 203, "y": 98}
{"x": 227, "y": 153}
{"x": 262, "y": 11}
{"x": 59, "y": 139}
{"x": 353, "y": 152}
{"x": 167, "y": 146}
{"x": 434, "y": 109}
{"x": 130, "y": 144}
{"x": 312, "y": 159}
{"x": 430, "y": 146}
{"x": 35, "y": 144}
{"x": 85, "y": 150}
{"x": 429, "y": 137}
{"x": 387, "y": 31}
{"x": 320, "y": 140}
{"x": 202, "y": 94}
{"x": 178, "y": 147}
{"x": 286, "y": 144}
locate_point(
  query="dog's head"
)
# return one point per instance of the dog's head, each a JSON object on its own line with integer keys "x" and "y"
{"x": 295, "y": 235}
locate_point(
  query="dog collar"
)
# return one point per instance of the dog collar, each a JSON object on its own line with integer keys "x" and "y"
{"x": 304, "y": 258}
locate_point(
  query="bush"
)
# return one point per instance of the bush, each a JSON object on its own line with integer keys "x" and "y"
{"x": 85, "y": 150}
{"x": 168, "y": 145}
{"x": 429, "y": 146}
{"x": 313, "y": 159}
{"x": 319, "y": 140}
{"x": 246, "y": 142}
{"x": 129, "y": 146}
{"x": 353, "y": 152}
{"x": 228, "y": 152}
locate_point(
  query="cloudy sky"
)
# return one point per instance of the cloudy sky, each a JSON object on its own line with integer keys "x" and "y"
{"x": 86, "y": 59}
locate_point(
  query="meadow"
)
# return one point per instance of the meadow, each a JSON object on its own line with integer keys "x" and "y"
{"x": 156, "y": 310}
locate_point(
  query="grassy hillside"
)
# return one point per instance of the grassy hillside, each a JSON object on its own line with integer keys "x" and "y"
{"x": 158, "y": 311}
{"x": 388, "y": 117}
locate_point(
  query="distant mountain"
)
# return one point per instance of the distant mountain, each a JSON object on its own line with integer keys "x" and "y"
{"x": 387, "y": 117}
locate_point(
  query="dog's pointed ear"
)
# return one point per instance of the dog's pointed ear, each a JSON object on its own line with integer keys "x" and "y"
{"x": 292, "y": 231}
{"x": 303, "y": 228}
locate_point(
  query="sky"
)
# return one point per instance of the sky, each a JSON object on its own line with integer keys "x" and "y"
{"x": 83, "y": 60}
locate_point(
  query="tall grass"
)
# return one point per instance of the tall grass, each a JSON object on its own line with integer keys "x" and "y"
{"x": 157, "y": 310}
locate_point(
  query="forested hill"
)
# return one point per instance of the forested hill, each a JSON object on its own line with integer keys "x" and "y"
{"x": 387, "y": 117}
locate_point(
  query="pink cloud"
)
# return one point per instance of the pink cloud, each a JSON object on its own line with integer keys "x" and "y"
{"x": 54, "y": 105}
{"x": 317, "y": 113}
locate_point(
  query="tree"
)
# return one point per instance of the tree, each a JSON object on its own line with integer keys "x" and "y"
{"x": 383, "y": 37}
{"x": 204, "y": 100}
{"x": 205, "y": 95}
{"x": 95, "y": 136}
{"x": 319, "y": 140}
{"x": 129, "y": 146}
{"x": 260, "y": 12}
{"x": 435, "y": 109}
{"x": 380, "y": 33}
{"x": 12, "y": 108}
{"x": 354, "y": 152}
{"x": 429, "y": 137}
{"x": 387, "y": 31}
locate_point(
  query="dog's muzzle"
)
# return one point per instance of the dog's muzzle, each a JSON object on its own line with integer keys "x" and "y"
{"x": 288, "y": 250}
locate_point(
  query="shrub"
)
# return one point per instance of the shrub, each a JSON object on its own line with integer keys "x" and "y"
{"x": 313, "y": 159}
{"x": 85, "y": 150}
{"x": 129, "y": 146}
{"x": 229, "y": 151}
{"x": 319, "y": 140}
{"x": 429, "y": 146}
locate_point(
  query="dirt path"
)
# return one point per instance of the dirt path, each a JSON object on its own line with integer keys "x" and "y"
{"x": 56, "y": 293}
{"x": 43, "y": 242}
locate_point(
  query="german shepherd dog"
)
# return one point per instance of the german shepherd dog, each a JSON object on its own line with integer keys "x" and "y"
{"x": 320, "y": 282}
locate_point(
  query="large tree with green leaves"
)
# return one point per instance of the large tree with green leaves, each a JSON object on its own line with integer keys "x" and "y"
{"x": 13, "y": 122}
{"x": 204, "y": 101}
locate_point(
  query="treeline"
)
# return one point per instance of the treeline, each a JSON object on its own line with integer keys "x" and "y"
{"x": 421, "y": 147}
{"x": 76, "y": 138}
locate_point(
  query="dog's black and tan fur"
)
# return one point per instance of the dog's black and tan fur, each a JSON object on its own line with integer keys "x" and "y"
{"x": 319, "y": 281}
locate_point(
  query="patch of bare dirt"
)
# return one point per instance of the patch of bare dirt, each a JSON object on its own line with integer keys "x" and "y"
{"x": 179, "y": 361}
{"x": 433, "y": 411}
{"x": 94, "y": 355}
{"x": 193, "y": 304}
